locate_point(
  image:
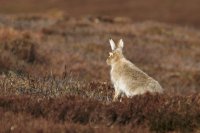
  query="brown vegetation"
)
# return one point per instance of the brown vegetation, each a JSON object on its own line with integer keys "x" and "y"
{"x": 54, "y": 77}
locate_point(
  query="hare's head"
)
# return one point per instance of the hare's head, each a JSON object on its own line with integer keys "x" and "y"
{"x": 116, "y": 53}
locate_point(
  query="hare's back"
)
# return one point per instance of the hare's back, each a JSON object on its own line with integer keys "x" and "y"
{"x": 133, "y": 72}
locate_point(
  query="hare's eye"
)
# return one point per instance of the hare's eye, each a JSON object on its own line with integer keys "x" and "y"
{"x": 110, "y": 54}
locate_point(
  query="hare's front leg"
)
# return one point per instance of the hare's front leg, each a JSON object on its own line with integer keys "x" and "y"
{"x": 116, "y": 95}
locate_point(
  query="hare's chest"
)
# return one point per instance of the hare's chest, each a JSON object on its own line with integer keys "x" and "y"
{"x": 119, "y": 82}
{"x": 114, "y": 76}
{"x": 122, "y": 86}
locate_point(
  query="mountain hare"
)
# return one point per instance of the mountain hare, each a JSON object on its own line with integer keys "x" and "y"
{"x": 126, "y": 77}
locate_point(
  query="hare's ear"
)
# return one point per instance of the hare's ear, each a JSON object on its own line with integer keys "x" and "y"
{"x": 112, "y": 44}
{"x": 120, "y": 44}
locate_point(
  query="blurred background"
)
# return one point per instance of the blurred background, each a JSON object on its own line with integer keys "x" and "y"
{"x": 54, "y": 76}
{"x": 184, "y": 12}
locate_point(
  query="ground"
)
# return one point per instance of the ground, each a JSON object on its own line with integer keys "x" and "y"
{"x": 54, "y": 76}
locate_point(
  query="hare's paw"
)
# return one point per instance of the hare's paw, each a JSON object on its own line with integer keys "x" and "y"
{"x": 116, "y": 95}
